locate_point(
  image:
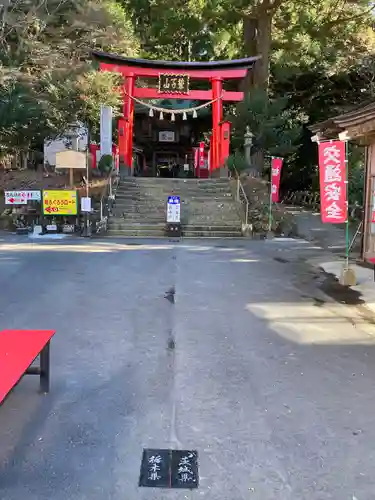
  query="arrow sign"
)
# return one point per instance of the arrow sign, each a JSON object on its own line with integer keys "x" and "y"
{"x": 11, "y": 200}
{"x": 48, "y": 209}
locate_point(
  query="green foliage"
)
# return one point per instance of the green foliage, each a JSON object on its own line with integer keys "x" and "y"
{"x": 237, "y": 162}
{"x": 172, "y": 31}
{"x": 105, "y": 164}
{"x": 275, "y": 126}
{"x": 46, "y": 78}
{"x": 323, "y": 36}
{"x": 356, "y": 177}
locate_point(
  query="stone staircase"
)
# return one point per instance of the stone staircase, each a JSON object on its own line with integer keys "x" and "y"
{"x": 207, "y": 208}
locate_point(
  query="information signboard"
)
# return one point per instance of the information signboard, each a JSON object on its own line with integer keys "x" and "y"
{"x": 21, "y": 197}
{"x": 60, "y": 202}
{"x": 173, "y": 209}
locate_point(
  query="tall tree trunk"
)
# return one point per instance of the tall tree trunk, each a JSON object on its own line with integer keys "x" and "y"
{"x": 250, "y": 28}
{"x": 257, "y": 41}
{"x": 264, "y": 40}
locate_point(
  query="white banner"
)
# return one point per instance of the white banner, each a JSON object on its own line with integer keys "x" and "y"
{"x": 105, "y": 130}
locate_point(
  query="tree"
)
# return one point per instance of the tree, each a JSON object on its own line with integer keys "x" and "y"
{"x": 275, "y": 125}
{"x": 172, "y": 31}
{"x": 45, "y": 67}
{"x": 293, "y": 32}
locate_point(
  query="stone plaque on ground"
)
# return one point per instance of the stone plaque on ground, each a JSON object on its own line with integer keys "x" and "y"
{"x": 169, "y": 469}
{"x": 155, "y": 469}
{"x": 184, "y": 469}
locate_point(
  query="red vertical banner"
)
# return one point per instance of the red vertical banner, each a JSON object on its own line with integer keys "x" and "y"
{"x": 93, "y": 149}
{"x": 201, "y": 155}
{"x": 332, "y": 175}
{"x": 196, "y": 157}
{"x": 276, "y": 166}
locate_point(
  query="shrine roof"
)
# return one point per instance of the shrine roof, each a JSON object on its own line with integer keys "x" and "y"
{"x": 106, "y": 57}
{"x": 360, "y": 121}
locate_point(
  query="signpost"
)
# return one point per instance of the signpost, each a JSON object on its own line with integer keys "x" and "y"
{"x": 85, "y": 204}
{"x": 173, "y": 209}
{"x": 60, "y": 202}
{"x": 21, "y": 197}
{"x": 276, "y": 165}
{"x": 71, "y": 160}
{"x": 174, "y": 216}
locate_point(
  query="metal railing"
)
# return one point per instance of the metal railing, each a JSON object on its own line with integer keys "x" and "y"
{"x": 302, "y": 198}
{"x": 107, "y": 200}
{"x": 311, "y": 200}
{"x": 242, "y": 198}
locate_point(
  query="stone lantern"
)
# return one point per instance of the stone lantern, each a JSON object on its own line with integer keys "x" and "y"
{"x": 248, "y": 142}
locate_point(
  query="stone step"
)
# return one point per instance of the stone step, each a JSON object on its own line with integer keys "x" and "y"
{"x": 161, "y": 234}
{"x": 139, "y": 233}
{"x": 148, "y": 196}
{"x": 168, "y": 181}
{"x": 211, "y": 234}
{"x": 175, "y": 187}
{"x": 161, "y": 212}
{"x": 197, "y": 208}
{"x": 196, "y": 221}
{"x": 150, "y": 189}
{"x": 136, "y": 195}
{"x": 207, "y": 208}
{"x": 141, "y": 224}
{"x": 135, "y": 217}
{"x": 147, "y": 226}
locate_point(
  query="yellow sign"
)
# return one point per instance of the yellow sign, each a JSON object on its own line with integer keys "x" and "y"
{"x": 59, "y": 202}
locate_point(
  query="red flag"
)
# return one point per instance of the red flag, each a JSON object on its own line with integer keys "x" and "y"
{"x": 196, "y": 157}
{"x": 332, "y": 174}
{"x": 201, "y": 154}
{"x": 276, "y": 165}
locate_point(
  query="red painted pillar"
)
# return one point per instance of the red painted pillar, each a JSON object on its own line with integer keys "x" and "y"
{"x": 129, "y": 118}
{"x": 121, "y": 141}
{"x": 217, "y": 116}
{"x": 224, "y": 142}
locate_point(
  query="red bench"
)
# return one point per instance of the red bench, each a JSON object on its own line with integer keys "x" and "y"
{"x": 18, "y": 350}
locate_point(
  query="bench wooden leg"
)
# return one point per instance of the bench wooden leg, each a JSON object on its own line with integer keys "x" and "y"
{"x": 44, "y": 369}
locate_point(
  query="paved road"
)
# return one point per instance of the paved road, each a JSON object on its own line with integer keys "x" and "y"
{"x": 332, "y": 237}
{"x": 210, "y": 346}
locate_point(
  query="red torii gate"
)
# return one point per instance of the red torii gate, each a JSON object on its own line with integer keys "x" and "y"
{"x": 215, "y": 72}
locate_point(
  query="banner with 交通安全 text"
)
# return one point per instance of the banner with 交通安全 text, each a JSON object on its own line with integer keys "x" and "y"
{"x": 276, "y": 164}
{"x": 332, "y": 175}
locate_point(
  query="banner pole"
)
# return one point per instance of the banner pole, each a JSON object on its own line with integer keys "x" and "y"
{"x": 347, "y": 242}
{"x": 270, "y": 202}
{"x": 348, "y": 277}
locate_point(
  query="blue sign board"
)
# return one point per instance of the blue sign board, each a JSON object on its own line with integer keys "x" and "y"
{"x": 173, "y": 200}
{"x": 173, "y": 209}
